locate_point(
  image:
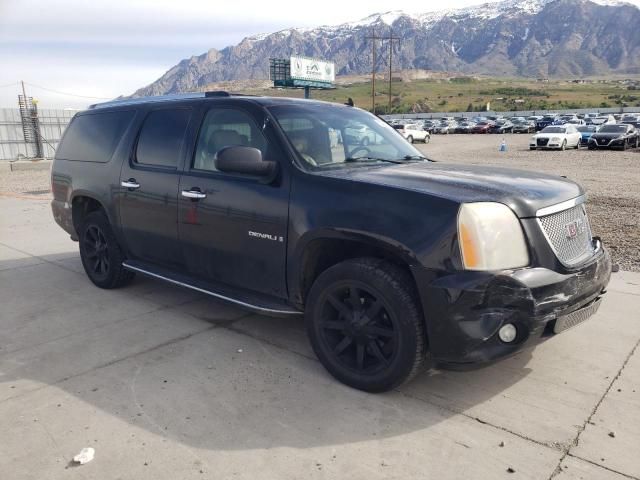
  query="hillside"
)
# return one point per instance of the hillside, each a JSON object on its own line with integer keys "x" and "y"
{"x": 511, "y": 38}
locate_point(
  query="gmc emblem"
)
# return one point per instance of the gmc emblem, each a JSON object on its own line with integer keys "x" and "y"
{"x": 574, "y": 228}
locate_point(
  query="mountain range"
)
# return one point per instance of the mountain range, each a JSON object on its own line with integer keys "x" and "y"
{"x": 527, "y": 38}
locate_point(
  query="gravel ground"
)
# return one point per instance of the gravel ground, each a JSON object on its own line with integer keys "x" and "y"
{"x": 611, "y": 178}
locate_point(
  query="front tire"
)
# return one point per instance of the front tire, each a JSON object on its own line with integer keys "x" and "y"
{"x": 427, "y": 139}
{"x": 365, "y": 324}
{"x": 410, "y": 139}
{"x": 563, "y": 147}
{"x": 100, "y": 253}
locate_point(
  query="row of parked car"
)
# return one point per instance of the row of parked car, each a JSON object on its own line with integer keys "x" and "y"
{"x": 593, "y": 130}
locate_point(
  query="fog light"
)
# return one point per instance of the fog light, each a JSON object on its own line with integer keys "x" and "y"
{"x": 507, "y": 333}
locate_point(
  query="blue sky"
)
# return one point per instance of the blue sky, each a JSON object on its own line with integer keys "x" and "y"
{"x": 104, "y": 48}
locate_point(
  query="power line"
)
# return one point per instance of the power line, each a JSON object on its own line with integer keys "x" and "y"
{"x": 13, "y": 84}
{"x": 69, "y": 94}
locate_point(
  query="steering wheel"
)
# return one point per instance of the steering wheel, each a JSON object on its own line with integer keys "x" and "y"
{"x": 366, "y": 151}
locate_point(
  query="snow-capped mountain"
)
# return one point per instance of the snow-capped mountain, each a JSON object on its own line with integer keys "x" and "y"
{"x": 509, "y": 38}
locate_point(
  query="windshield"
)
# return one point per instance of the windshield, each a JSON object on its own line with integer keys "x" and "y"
{"x": 333, "y": 136}
{"x": 586, "y": 128}
{"x": 553, "y": 130}
{"x": 613, "y": 129}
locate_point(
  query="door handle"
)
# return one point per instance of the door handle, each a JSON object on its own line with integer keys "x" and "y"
{"x": 131, "y": 183}
{"x": 193, "y": 194}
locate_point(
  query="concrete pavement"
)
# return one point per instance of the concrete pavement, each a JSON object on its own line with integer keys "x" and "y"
{"x": 168, "y": 383}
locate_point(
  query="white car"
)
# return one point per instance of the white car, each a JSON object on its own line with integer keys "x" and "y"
{"x": 603, "y": 120}
{"x": 413, "y": 132}
{"x": 556, "y": 136}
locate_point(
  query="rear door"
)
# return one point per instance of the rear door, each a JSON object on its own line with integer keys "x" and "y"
{"x": 233, "y": 228}
{"x": 149, "y": 187}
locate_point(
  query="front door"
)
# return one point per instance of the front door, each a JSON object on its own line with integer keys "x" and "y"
{"x": 233, "y": 228}
{"x": 149, "y": 188}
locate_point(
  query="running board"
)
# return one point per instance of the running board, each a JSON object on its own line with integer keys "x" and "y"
{"x": 256, "y": 302}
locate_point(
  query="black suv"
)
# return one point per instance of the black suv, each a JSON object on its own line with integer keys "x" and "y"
{"x": 395, "y": 260}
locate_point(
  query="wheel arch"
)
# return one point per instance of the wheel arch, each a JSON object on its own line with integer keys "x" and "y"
{"x": 321, "y": 250}
{"x": 83, "y": 203}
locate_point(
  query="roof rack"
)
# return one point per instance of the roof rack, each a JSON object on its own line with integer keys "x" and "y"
{"x": 160, "y": 98}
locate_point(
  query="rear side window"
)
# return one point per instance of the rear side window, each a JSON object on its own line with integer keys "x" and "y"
{"x": 94, "y": 137}
{"x": 162, "y": 137}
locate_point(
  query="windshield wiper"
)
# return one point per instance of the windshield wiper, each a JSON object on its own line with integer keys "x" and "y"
{"x": 370, "y": 159}
{"x": 416, "y": 157}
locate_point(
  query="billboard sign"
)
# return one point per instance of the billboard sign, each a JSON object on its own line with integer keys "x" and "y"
{"x": 311, "y": 69}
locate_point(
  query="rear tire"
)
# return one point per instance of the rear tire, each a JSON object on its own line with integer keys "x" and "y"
{"x": 365, "y": 324}
{"x": 410, "y": 139}
{"x": 427, "y": 139}
{"x": 100, "y": 253}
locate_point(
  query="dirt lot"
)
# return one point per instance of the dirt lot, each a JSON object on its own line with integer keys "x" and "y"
{"x": 612, "y": 180}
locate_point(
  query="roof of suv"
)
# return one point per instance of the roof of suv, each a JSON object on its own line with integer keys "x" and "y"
{"x": 200, "y": 96}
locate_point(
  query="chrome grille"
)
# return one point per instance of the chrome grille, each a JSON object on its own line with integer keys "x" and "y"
{"x": 569, "y": 234}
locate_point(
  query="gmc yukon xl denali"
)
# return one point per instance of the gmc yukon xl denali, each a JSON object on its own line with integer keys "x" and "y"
{"x": 396, "y": 261}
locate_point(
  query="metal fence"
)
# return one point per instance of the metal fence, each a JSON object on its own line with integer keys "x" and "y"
{"x": 12, "y": 143}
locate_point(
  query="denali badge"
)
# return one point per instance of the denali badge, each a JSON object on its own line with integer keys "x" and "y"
{"x": 574, "y": 228}
{"x": 266, "y": 236}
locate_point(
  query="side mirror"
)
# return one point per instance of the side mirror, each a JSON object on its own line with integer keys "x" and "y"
{"x": 244, "y": 160}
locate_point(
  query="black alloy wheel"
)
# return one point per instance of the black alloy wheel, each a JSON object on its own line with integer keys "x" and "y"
{"x": 100, "y": 253}
{"x": 357, "y": 327}
{"x": 96, "y": 251}
{"x": 365, "y": 324}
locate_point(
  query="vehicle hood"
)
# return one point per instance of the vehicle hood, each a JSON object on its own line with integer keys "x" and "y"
{"x": 524, "y": 191}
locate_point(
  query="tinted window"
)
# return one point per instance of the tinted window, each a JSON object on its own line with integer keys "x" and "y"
{"x": 162, "y": 136}
{"x": 613, "y": 129}
{"x": 553, "y": 130}
{"x": 94, "y": 137}
{"x": 226, "y": 128}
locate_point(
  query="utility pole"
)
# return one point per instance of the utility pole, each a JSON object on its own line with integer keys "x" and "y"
{"x": 391, "y": 40}
{"x": 373, "y": 39}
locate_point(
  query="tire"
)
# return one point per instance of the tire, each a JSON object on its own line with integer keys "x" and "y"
{"x": 100, "y": 253}
{"x": 410, "y": 139}
{"x": 532, "y": 148}
{"x": 386, "y": 350}
{"x": 563, "y": 147}
{"x": 427, "y": 139}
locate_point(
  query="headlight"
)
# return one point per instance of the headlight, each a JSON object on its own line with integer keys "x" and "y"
{"x": 533, "y": 139}
{"x": 555, "y": 139}
{"x": 490, "y": 237}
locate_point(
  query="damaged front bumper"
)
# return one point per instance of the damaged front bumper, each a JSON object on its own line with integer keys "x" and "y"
{"x": 465, "y": 310}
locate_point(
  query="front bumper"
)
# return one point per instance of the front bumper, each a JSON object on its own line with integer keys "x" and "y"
{"x": 465, "y": 310}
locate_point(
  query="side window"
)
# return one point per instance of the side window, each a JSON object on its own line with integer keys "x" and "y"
{"x": 94, "y": 137}
{"x": 316, "y": 143}
{"x": 225, "y": 127}
{"x": 162, "y": 137}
